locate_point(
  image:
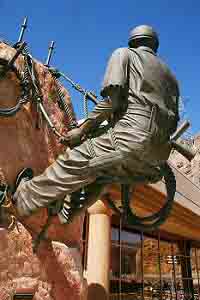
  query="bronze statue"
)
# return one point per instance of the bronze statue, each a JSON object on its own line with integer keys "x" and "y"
{"x": 141, "y": 105}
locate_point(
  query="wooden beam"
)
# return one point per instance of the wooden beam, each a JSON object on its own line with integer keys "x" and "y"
{"x": 184, "y": 220}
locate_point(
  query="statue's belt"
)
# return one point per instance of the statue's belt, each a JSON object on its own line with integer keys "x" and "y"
{"x": 158, "y": 118}
{"x": 148, "y": 111}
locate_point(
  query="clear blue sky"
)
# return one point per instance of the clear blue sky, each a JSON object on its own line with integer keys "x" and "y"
{"x": 86, "y": 32}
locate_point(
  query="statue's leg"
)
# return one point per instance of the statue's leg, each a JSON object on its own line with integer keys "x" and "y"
{"x": 70, "y": 172}
{"x": 79, "y": 202}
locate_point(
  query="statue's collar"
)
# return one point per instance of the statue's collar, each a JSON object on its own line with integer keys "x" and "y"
{"x": 144, "y": 48}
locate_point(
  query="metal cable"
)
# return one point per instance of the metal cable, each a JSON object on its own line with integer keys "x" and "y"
{"x": 25, "y": 90}
{"x": 64, "y": 106}
{"x": 85, "y": 105}
{"x": 89, "y": 141}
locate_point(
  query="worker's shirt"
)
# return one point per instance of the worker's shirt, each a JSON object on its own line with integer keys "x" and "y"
{"x": 144, "y": 81}
{"x": 145, "y": 78}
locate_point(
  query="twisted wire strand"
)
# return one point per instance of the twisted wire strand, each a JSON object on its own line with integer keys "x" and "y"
{"x": 25, "y": 87}
{"x": 86, "y": 113}
{"x": 63, "y": 105}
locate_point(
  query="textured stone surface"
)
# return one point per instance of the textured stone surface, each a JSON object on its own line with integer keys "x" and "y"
{"x": 190, "y": 169}
{"x": 54, "y": 273}
{"x": 56, "y": 267}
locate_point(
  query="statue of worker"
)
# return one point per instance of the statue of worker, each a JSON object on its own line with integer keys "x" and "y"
{"x": 140, "y": 102}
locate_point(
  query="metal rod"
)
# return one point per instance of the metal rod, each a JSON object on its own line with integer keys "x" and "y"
{"x": 197, "y": 269}
{"x": 45, "y": 115}
{"x": 185, "y": 150}
{"x": 186, "y": 258}
{"x": 187, "y": 253}
{"x": 50, "y": 52}
{"x": 76, "y": 86}
{"x": 159, "y": 266}
{"x": 142, "y": 264}
{"x": 174, "y": 270}
{"x": 23, "y": 28}
{"x": 181, "y": 129}
{"x": 89, "y": 95}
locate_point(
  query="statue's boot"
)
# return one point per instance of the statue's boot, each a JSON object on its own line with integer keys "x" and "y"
{"x": 76, "y": 203}
{"x": 8, "y": 211}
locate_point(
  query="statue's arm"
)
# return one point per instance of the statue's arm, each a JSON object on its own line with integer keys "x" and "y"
{"x": 114, "y": 88}
{"x": 104, "y": 110}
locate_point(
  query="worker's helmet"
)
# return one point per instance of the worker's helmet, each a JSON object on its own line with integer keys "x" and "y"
{"x": 143, "y": 32}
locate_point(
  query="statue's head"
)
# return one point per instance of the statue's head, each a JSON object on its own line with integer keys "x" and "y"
{"x": 143, "y": 35}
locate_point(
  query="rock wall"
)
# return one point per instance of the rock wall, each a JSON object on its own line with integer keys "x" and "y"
{"x": 190, "y": 169}
{"x": 54, "y": 272}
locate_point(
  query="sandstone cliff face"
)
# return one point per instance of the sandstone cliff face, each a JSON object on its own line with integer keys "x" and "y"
{"x": 190, "y": 169}
{"x": 54, "y": 272}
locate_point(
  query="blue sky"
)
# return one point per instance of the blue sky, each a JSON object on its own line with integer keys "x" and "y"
{"x": 86, "y": 33}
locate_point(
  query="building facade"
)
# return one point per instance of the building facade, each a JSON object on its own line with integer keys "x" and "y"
{"x": 122, "y": 263}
